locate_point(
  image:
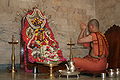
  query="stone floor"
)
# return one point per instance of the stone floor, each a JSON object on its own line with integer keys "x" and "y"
{"x": 21, "y": 75}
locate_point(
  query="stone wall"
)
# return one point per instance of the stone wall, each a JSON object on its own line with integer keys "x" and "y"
{"x": 107, "y": 11}
{"x": 64, "y": 17}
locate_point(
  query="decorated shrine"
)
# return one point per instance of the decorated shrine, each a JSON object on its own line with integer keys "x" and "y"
{"x": 38, "y": 41}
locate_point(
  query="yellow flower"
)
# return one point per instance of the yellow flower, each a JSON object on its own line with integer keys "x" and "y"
{"x": 46, "y": 41}
{"x": 38, "y": 42}
{"x": 36, "y": 34}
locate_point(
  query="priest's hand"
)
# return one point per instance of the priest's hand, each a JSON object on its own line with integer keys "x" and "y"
{"x": 83, "y": 26}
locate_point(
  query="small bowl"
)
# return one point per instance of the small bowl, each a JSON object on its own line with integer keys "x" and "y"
{"x": 117, "y": 72}
{"x": 111, "y": 73}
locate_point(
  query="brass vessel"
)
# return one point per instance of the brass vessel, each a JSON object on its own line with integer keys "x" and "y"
{"x": 13, "y": 55}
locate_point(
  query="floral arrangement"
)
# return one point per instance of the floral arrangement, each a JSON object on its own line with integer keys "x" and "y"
{"x": 40, "y": 43}
{"x": 37, "y": 22}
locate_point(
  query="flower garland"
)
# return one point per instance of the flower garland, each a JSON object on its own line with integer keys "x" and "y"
{"x": 41, "y": 46}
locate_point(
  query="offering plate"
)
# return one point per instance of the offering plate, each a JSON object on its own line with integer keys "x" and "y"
{"x": 68, "y": 73}
{"x": 51, "y": 65}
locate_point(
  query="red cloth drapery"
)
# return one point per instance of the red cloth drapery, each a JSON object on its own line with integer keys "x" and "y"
{"x": 47, "y": 40}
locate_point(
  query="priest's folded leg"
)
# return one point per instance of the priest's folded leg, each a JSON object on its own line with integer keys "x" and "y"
{"x": 90, "y": 64}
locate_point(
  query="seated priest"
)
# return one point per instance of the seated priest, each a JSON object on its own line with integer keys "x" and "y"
{"x": 96, "y": 60}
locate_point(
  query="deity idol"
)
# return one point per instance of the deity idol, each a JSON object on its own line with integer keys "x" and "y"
{"x": 40, "y": 44}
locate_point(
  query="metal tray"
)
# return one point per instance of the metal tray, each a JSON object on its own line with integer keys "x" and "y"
{"x": 65, "y": 72}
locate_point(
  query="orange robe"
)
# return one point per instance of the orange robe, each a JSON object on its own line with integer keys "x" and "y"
{"x": 100, "y": 49}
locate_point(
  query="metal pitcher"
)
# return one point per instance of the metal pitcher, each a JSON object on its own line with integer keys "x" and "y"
{"x": 71, "y": 66}
{"x": 111, "y": 73}
{"x": 117, "y": 72}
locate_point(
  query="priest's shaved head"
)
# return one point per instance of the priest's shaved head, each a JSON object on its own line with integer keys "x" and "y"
{"x": 93, "y": 25}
